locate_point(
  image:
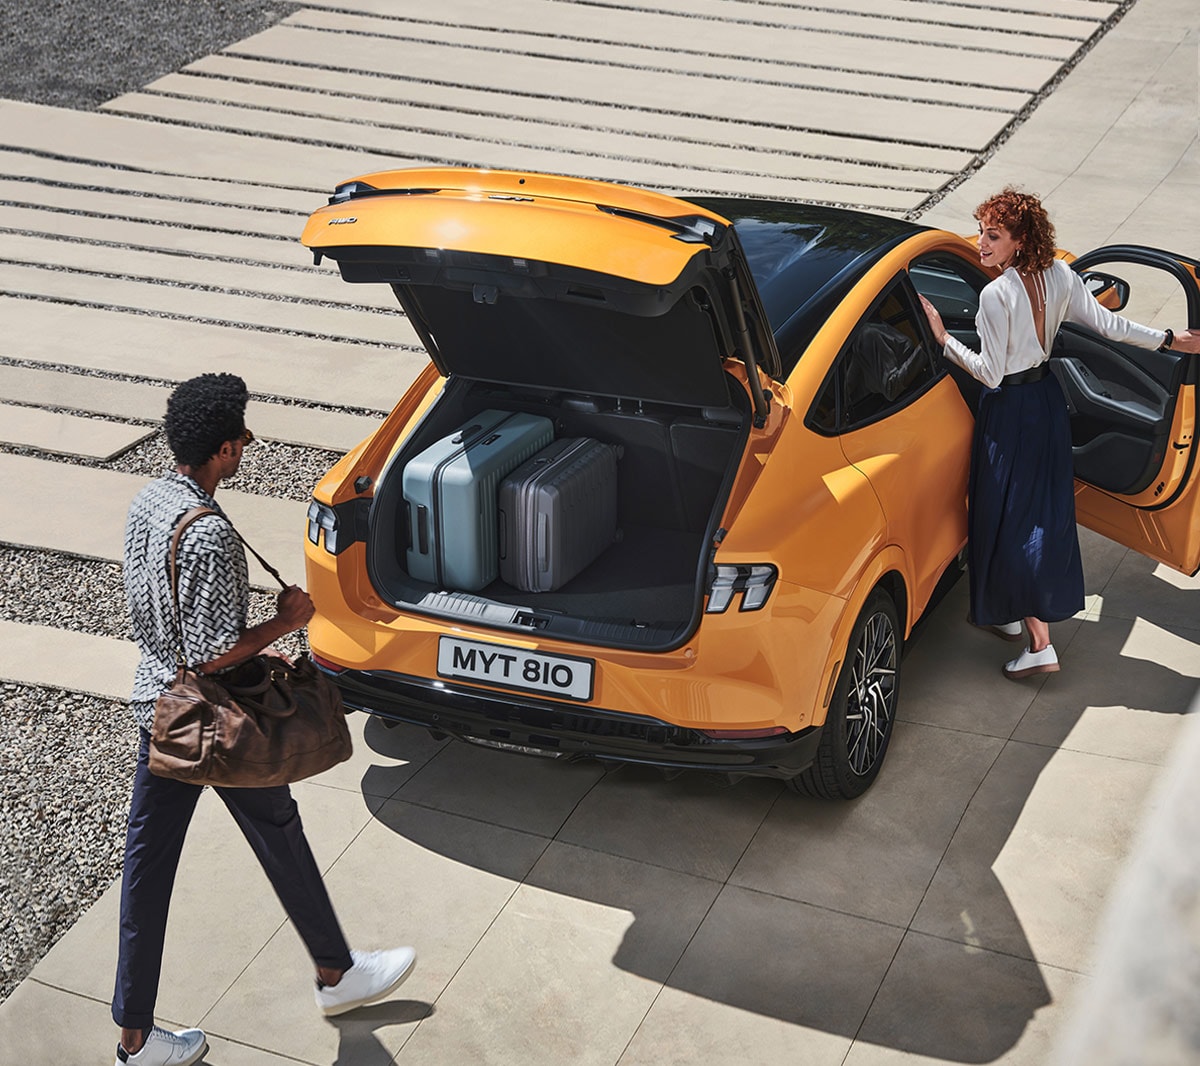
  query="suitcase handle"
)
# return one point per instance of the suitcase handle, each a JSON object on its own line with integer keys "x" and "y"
{"x": 422, "y": 530}
{"x": 543, "y": 542}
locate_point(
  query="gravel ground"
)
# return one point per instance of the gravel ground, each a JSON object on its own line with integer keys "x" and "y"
{"x": 79, "y": 54}
{"x": 66, "y": 762}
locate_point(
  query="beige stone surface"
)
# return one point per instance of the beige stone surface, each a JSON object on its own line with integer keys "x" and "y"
{"x": 54, "y": 517}
{"x": 62, "y": 658}
{"x": 333, "y": 430}
{"x": 66, "y": 434}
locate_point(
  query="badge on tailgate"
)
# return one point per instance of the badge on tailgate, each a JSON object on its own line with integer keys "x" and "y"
{"x": 498, "y": 664}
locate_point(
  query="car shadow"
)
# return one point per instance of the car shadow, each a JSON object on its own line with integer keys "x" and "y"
{"x": 961, "y": 993}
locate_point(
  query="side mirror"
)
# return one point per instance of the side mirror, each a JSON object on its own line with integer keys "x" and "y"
{"x": 1111, "y": 291}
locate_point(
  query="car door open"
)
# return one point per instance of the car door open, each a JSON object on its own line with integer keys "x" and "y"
{"x": 1133, "y": 420}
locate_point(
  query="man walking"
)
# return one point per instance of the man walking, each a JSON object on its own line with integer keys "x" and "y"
{"x": 206, "y": 429}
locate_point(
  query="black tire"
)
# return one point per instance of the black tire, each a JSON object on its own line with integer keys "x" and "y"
{"x": 858, "y": 727}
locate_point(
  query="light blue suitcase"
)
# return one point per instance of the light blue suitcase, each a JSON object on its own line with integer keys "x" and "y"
{"x": 450, "y": 491}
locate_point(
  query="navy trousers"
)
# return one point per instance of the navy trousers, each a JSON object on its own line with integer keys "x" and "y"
{"x": 159, "y": 813}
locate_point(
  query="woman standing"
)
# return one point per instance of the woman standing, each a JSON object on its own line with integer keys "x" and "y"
{"x": 1023, "y": 548}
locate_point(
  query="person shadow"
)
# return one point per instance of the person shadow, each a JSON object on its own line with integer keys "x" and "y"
{"x": 939, "y": 914}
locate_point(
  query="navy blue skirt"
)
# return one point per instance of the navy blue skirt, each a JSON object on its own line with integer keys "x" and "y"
{"x": 1022, "y": 548}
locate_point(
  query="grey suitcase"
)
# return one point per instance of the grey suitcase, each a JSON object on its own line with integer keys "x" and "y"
{"x": 558, "y": 512}
{"x": 450, "y": 489}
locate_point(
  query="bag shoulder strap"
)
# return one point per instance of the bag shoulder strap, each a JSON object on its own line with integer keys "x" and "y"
{"x": 181, "y": 526}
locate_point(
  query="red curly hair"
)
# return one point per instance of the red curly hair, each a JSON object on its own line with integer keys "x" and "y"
{"x": 1023, "y": 215}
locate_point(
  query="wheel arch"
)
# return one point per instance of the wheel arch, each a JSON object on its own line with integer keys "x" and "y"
{"x": 886, "y": 571}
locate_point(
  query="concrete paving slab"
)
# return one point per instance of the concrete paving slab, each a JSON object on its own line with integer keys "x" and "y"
{"x": 814, "y": 852}
{"x": 63, "y": 658}
{"x": 302, "y": 283}
{"x": 530, "y": 794}
{"x": 881, "y": 21}
{"x": 413, "y": 876}
{"x": 768, "y": 978}
{"x": 95, "y": 136}
{"x": 219, "y": 887}
{"x": 272, "y": 364}
{"x": 231, "y": 217}
{"x": 725, "y": 28}
{"x": 1040, "y": 844}
{"x": 587, "y": 141}
{"x": 64, "y": 434}
{"x": 123, "y": 231}
{"x": 568, "y": 970}
{"x": 686, "y": 46}
{"x": 81, "y": 510}
{"x": 312, "y": 427}
{"x": 1134, "y": 712}
{"x": 197, "y": 304}
{"x": 42, "y": 170}
{"x": 1164, "y": 597}
{"x": 520, "y": 71}
{"x": 946, "y": 1002}
{"x": 416, "y": 148}
{"x": 383, "y": 760}
{"x": 694, "y": 824}
{"x": 755, "y": 132}
{"x": 953, "y": 674}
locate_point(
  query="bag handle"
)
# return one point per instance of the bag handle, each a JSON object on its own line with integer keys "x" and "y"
{"x": 188, "y": 518}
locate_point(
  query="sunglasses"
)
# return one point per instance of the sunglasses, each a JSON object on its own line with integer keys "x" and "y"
{"x": 247, "y": 437}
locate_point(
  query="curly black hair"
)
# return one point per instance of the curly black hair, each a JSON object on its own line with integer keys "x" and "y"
{"x": 202, "y": 414}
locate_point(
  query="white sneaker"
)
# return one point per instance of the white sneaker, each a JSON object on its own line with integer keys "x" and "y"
{"x": 1029, "y": 663}
{"x": 374, "y": 975}
{"x": 164, "y": 1048}
{"x": 1007, "y": 630}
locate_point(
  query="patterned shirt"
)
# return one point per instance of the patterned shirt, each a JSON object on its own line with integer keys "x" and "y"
{"x": 214, "y": 588}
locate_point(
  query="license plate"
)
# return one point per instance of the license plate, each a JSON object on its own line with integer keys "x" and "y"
{"x": 532, "y": 671}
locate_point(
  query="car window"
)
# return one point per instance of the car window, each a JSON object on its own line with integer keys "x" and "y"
{"x": 952, "y": 285}
{"x": 885, "y": 363}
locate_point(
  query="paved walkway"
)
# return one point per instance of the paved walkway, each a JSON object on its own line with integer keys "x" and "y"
{"x": 564, "y": 915}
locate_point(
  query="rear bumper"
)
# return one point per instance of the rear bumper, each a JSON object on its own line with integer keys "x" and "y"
{"x": 518, "y": 722}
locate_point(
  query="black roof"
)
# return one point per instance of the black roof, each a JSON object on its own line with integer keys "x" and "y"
{"x": 804, "y": 258}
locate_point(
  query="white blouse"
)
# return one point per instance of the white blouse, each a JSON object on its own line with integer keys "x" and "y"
{"x": 1007, "y": 333}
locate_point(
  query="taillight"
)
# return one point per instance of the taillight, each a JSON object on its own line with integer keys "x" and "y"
{"x": 343, "y": 523}
{"x": 754, "y": 582}
{"x": 744, "y": 734}
{"x": 325, "y": 664}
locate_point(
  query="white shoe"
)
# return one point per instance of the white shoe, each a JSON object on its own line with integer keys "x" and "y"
{"x": 1007, "y": 630}
{"x": 374, "y": 975}
{"x": 1029, "y": 663}
{"x": 164, "y": 1048}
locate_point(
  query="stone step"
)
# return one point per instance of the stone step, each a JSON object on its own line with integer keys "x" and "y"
{"x": 42, "y": 172}
{"x": 283, "y": 225}
{"x": 322, "y": 285}
{"x": 165, "y": 349}
{"x": 81, "y": 510}
{"x": 419, "y": 148}
{"x": 66, "y": 434}
{"x": 122, "y": 229}
{"x": 726, "y": 28}
{"x": 173, "y": 151}
{"x": 62, "y": 658}
{"x": 643, "y": 88}
{"x": 307, "y": 426}
{"x": 378, "y": 327}
{"x": 495, "y": 129}
{"x": 752, "y": 132}
{"x": 584, "y": 35}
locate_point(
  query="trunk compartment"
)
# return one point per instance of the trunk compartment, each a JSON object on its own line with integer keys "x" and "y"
{"x": 646, "y": 589}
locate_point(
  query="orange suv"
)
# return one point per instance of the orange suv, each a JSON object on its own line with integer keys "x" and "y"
{"x": 785, "y": 464}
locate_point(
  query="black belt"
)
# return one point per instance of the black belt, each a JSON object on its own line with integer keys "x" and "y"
{"x": 1022, "y": 377}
